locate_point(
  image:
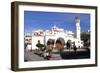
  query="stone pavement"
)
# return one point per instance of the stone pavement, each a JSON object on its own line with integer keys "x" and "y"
{"x": 30, "y": 56}
{"x": 66, "y": 54}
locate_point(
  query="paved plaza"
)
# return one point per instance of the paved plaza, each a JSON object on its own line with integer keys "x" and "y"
{"x": 30, "y": 55}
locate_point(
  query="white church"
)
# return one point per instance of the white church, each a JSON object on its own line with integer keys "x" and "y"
{"x": 58, "y": 33}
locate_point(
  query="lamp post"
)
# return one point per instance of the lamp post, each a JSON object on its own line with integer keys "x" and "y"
{"x": 45, "y": 38}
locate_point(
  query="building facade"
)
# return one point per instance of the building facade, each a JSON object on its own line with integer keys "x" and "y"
{"x": 57, "y": 33}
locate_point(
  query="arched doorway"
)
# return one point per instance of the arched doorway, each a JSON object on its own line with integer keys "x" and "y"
{"x": 50, "y": 43}
{"x": 60, "y": 42}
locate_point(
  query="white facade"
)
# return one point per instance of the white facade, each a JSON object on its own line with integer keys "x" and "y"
{"x": 27, "y": 38}
{"x": 56, "y": 33}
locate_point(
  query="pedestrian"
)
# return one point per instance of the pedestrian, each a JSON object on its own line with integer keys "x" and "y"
{"x": 74, "y": 47}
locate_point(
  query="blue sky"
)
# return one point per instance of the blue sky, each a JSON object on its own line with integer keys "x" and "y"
{"x": 34, "y": 20}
